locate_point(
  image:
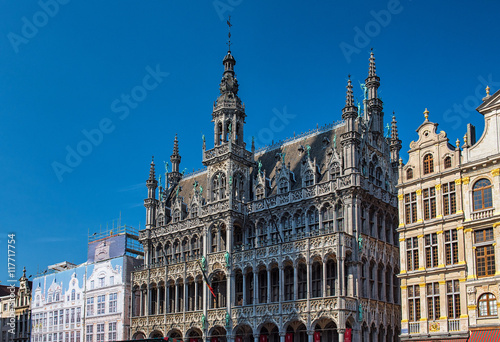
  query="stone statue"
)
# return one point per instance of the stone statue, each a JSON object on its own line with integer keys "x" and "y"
{"x": 388, "y": 128}
{"x": 335, "y": 141}
{"x": 166, "y": 166}
{"x": 360, "y": 313}
{"x": 260, "y": 166}
{"x": 360, "y": 243}
{"x": 228, "y": 261}
{"x": 228, "y": 319}
{"x": 308, "y": 149}
{"x": 365, "y": 90}
{"x": 203, "y": 322}
{"x": 203, "y": 263}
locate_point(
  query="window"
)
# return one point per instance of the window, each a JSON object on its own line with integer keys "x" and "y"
{"x": 112, "y": 280}
{"x": 302, "y": 281}
{"x": 300, "y": 224}
{"x": 447, "y": 162}
{"x": 339, "y": 213}
{"x": 90, "y": 307}
{"x": 451, "y": 247}
{"x": 275, "y": 285}
{"x": 112, "y": 331}
{"x": 409, "y": 174}
{"x": 449, "y": 199}
{"x": 101, "y": 282}
{"x": 286, "y": 226}
{"x": 412, "y": 253}
{"x": 334, "y": 171}
{"x": 194, "y": 211}
{"x": 414, "y": 303}
{"x": 309, "y": 178}
{"x": 238, "y": 300}
{"x": 313, "y": 220}
{"x": 433, "y": 301}
{"x": 100, "y": 332}
{"x": 77, "y": 336}
{"x": 90, "y": 334}
{"x": 481, "y": 193}
{"x": 112, "y": 302}
{"x": 411, "y": 207}
{"x": 177, "y": 215}
{"x": 78, "y": 315}
{"x": 262, "y": 231}
{"x": 485, "y": 254}
{"x": 289, "y": 283}
{"x": 219, "y": 186}
{"x": 101, "y": 304}
{"x": 263, "y": 286}
{"x": 73, "y": 294}
{"x": 429, "y": 203}
{"x": 453, "y": 297}
{"x": 487, "y": 304}
{"x": 283, "y": 186}
{"x": 72, "y": 316}
{"x": 428, "y": 164}
{"x": 431, "y": 250}
{"x": 317, "y": 276}
{"x": 259, "y": 192}
{"x": 91, "y": 284}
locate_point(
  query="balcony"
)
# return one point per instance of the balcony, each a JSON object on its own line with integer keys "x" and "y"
{"x": 414, "y": 327}
{"x": 453, "y": 325}
{"x": 478, "y": 215}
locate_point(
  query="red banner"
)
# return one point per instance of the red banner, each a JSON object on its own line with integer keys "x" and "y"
{"x": 289, "y": 337}
{"x": 214, "y": 339}
{"x": 238, "y": 339}
{"x": 263, "y": 338}
{"x": 348, "y": 335}
{"x": 317, "y": 336}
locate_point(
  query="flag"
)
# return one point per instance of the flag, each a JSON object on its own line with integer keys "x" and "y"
{"x": 206, "y": 281}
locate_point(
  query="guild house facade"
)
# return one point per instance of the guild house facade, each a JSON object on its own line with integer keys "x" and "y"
{"x": 449, "y": 212}
{"x": 296, "y": 240}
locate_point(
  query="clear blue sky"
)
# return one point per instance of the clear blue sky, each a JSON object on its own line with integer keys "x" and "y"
{"x": 66, "y": 72}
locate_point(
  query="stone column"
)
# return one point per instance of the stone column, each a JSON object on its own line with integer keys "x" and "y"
{"x": 176, "y": 300}
{"x": 441, "y": 249}
{"x": 157, "y": 299}
{"x": 461, "y": 245}
{"x": 295, "y": 282}
{"x": 310, "y": 335}
{"x": 281, "y": 284}
{"x": 308, "y": 296}
{"x": 269, "y": 285}
{"x": 244, "y": 289}
{"x": 341, "y": 334}
{"x": 470, "y": 254}
{"x": 324, "y": 279}
{"x": 186, "y": 295}
{"x": 195, "y": 306}
{"x": 255, "y": 286}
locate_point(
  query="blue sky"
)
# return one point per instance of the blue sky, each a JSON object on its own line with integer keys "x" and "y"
{"x": 65, "y": 73}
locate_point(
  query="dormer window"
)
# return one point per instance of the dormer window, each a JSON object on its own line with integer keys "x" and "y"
{"x": 409, "y": 174}
{"x": 194, "y": 211}
{"x": 447, "y": 162}
{"x": 283, "y": 186}
{"x": 259, "y": 193}
{"x": 309, "y": 178}
{"x": 177, "y": 215}
{"x": 334, "y": 171}
{"x": 428, "y": 164}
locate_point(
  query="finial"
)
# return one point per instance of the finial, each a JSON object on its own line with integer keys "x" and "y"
{"x": 349, "y": 99}
{"x": 400, "y": 161}
{"x": 487, "y": 91}
{"x": 372, "y": 69}
{"x": 465, "y": 139}
{"x": 426, "y": 114}
{"x": 229, "y": 34}
{"x": 457, "y": 143}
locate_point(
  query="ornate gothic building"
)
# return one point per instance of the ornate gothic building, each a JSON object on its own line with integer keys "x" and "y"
{"x": 297, "y": 240}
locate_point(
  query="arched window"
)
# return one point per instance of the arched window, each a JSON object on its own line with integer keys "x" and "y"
{"x": 481, "y": 193}
{"x": 339, "y": 213}
{"x": 238, "y": 288}
{"x": 194, "y": 211}
{"x": 251, "y": 236}
{"x": 302, "y": 281}
{"x": 331, "y": 275}
{"x": 487, "y": 304}
{"x": 447, "y": 162}
{"x": 327, "y": 218}
{"x": 219, "y": 133}
{"x": 409, "y": 174}
{"x": 195, "y": 246}
{"x": 313, "y": 219}
{"x": 428, "y": 164}
{"x": 177, "y": 215}
{"x": 161, "y": 220}
{"x": 309, "y": 178}
{"x": 300, "y": 224}
{"x": 168, "y": 251}
{"x": 177, "y": 251}
{"x": 219, "y": 186}
{"x": 259, "y": 192}
{"x": 238, "y": 186}
{"x": 159, "y": 253}
{"x": 289, "y": 284}
{"x": 73, "y": 294}
{"x": 378, "y": 176}
{"x": 262, "y": 231}
{"x": 185, "y": 249}
{"x": 263, "y": 286}
{"x": 213, "y": 240}
{"x": 275, "y": 284}
{"x": 237, "y": 237}
{"x": 334, "y": 171}
{"x": 286, "y": 226}
{"x": 283, "y": 186}
{"x": 317, "y": 276}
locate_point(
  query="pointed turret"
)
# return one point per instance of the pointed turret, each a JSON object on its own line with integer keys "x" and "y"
{"x": 350, "y": 110}
{"x": 152, "y": 183}
{"x": 229, "y": 112}
{"x": 395, "y": 144}
{"x": 150, "y": 202}
{"x": 175, "y": 176}
{"x": 374, "y": 104}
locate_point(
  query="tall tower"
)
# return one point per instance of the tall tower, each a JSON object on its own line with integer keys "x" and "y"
{"x": 351, "y": 138}
{"x": 374, "y": 105}
{"x": 150, "y": 202}
{"x": 175, "y": 176}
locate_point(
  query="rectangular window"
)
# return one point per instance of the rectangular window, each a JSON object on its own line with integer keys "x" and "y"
{"x": 100, "y": 332}
{"x": 78, "y": 315}
{"x": 111, "y": 280}
{"x": 433, "y": 301}
{"x": 431, "y": 250}
{"x": 483, "y": 235}
{"x": 453, "y": 297}
{"x": 77, "y": 338}
{"x": 101, "y": 282}
{"x": 411, "y": 207}
{"x": 412, "y": 253}
{"x": 101, "y": 301}
{"x": 449, "y": 199}
{"x": 414, "y": 303}
{"x": 91, "y": 284}
{"x": 485, "y": 260}
{"x": 112, "y": 331}
{"x": 90, "y": 307}
{"x": 89, "y": 337}
{"x": 112, "y": 302}
{"x": 429, "y": 203}
{"x": 451, "y": 246}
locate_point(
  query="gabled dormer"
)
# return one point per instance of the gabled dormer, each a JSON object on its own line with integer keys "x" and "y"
{"x": 261, "y": 185}
{"x": 308, "y": 170}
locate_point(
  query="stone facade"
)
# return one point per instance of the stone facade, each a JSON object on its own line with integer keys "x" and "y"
{"x": 297, "y": 240}
{"x": 449, "y": 215}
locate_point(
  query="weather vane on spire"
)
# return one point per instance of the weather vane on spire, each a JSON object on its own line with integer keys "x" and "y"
{"x": 229, "y": 34}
